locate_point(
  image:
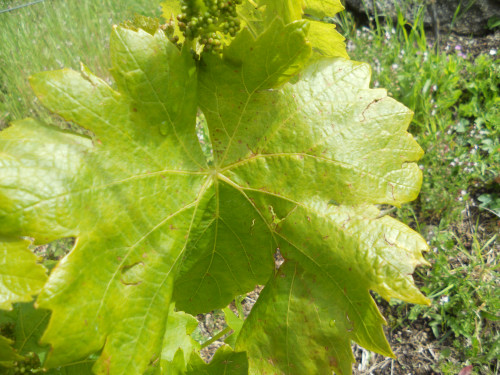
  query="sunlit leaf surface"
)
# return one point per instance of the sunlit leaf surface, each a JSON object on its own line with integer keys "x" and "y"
{"x": 303, "y": 152}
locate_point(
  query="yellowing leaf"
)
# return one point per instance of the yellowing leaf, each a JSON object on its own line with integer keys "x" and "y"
{"x": 170, "y": 10}
{"x": 303, "y": 151}
{"x": 326, "y": 40}
{"x": 20, "y": 275}
{"x": 178, "y": 345}
{"x": 323, "y": 8}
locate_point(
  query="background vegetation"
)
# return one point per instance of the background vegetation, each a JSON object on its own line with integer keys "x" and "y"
{"x": 53, "y": 34}
{"x": 457, "y": 120}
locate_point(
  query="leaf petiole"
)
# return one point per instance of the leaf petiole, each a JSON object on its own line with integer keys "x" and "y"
{"x": 221, "y": 334}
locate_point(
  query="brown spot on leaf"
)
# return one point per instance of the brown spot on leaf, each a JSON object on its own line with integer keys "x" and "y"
{"x": 387, "y": 241}
{"x": 333, "y": 362}
{"x": 392, "y": 191}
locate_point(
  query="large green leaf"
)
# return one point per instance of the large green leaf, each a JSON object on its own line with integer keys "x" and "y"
{"x": 303, "y": 151}
{"x": 20, "y": 275}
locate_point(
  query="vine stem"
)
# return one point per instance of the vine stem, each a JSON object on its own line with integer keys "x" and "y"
{"x": 216, "y": 337}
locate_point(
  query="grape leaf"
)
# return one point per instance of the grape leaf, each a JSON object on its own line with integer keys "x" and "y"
{"x": 178, "y": 345}
{"x": 28, "y": 328}
{"x": 225, "y": 361}
{"x": 257, "y": 16}
{"x": 323, "y": 37}
{"x": 170, "y": 10}
{"x": 235, "y": 323}
{"x": 7, "y": 353}
{"x": 28, "y": 325}
{"x": 20, "y": 275}
{"x": 322, "y": 8}
{"x": 303, "y": 151}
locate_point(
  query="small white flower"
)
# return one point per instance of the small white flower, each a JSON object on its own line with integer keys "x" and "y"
{"x": 493, "y": 52}
{"x": 443, "y": 300}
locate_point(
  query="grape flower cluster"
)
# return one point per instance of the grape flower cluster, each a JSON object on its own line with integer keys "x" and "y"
{"x": 208, "y": 20}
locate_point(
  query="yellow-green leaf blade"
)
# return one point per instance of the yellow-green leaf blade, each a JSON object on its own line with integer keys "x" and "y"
{"x": 38, "y": 165}
{"x": 323, "y": 8}
{"x": 178, "y": 345}
{"x": 337, "y": 140}
{"x": 235, "y": 91}
{"x": 21, "y": 277}
{"x": 296, "y": 329}
{"x": 326, "y": 40}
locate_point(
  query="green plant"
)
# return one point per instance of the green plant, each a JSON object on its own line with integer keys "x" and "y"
{"x": 463, "y": 287}
{"x": 456, "y": 105}
{"x": 301, "y": 154}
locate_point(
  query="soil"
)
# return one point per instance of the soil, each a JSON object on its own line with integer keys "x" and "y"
{"x": 469, "y": 45}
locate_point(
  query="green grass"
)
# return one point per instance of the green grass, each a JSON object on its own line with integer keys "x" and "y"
{"x": 457, "y": 122}
{"x": 51, "y": 35}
